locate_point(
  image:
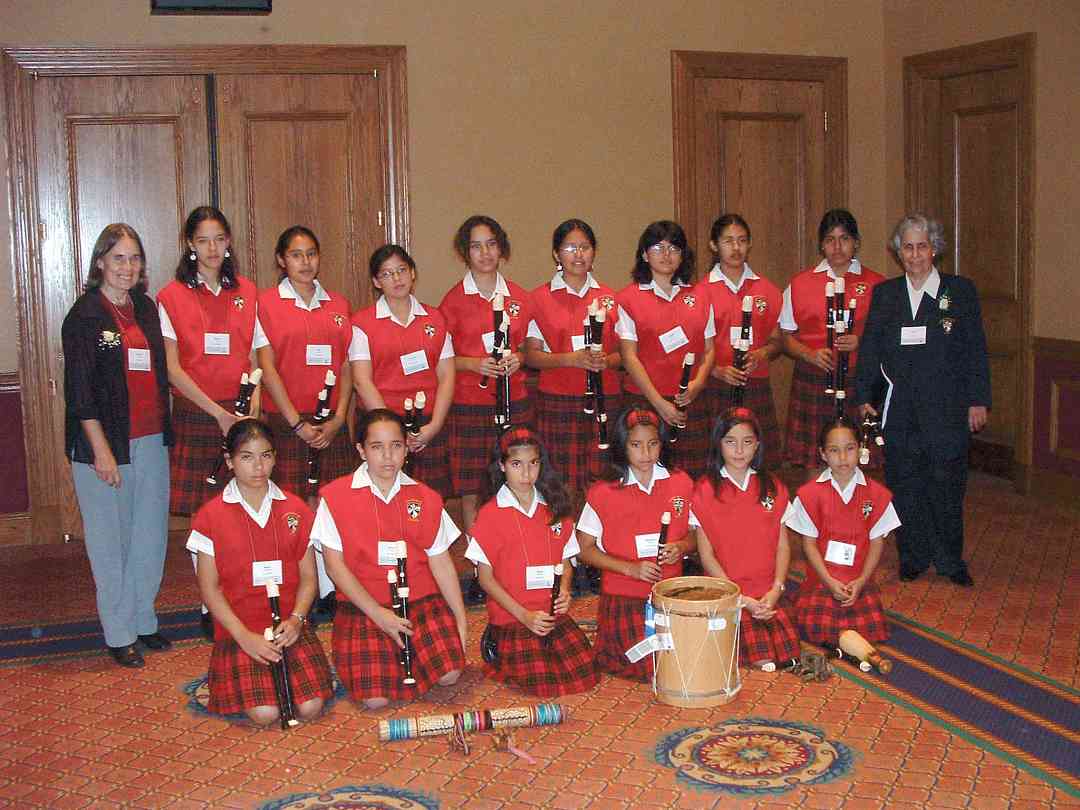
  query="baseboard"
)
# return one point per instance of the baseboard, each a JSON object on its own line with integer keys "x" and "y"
{"x": 1049, "y": 485}
{"x": 15, "y": 529}
{"x": 992, "y": 459}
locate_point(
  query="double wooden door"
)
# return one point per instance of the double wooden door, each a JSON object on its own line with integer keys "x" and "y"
{"x": 315, "y": 146}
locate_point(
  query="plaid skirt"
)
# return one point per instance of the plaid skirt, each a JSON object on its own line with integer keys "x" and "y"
{"x": 472, "y": 438}
{"x": 290, "y": 468}
{"x": 571, "y": 435}
{"x": 366, "y": 658}
{"x": 431, "y": 465}
{"x": 690, "y": 453}
{"x": 808, "y": 410}
{"x": 620, "y": 624}
{"x": 238, "y": 682}
{"x": 758, "y": 397}
{"x": 821, "y": 619}
{"x": 194, "y": 455}
{"x": 773, "y": 640}
{"x": 559, "y": 663}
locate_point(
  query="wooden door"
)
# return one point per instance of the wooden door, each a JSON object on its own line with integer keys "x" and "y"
{"x": 755, "y": 140}
{"x": 969, "y": 165}
{"x": 304, "y": 150}
{"x": 109, "y": 149}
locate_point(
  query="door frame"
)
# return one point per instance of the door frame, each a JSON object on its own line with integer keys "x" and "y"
{"x": 22, "y": 66}
{"x": 686, "y": 66}
{"x": 922, "y": 119}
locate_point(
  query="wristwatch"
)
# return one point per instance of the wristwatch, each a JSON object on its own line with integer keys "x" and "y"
{"x": 303, "y": 619}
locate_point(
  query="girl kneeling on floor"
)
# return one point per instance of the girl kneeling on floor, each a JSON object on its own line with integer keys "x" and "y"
{"x": 520, "y": 538}
{"x": 250, "y": 535}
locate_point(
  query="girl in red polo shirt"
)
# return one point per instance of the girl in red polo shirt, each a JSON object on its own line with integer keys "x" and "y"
{"x": 740, "y": 505}
{"x": 733, "y": 286}
{"x": 803, "y": 327}
{"x": 303, "y": 331}
{"x": 618, "y": 532}
{"x": 208, "y": 321}
{"x": 556, "y": 346}
{"x": 251, "y": 534}
{"x": 365, "y": 523}
{"x": 400, "y": 347}
{"x": 844, "y": 518}
{"x": 664, "y": 320}
{"x": 520, "y": 538}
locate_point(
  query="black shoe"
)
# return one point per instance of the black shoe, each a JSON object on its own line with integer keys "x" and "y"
{"x": 206, "y": 624}
{"x": 962, "y": 578}
{"x": 156, "y": 641}
{"x": 475, "y": 594}
{"x": 910, "y": 574}
{"x": 128, "y": 656}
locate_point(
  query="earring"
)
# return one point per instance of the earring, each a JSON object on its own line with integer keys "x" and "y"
{"x": 227, "y": 254}
{"x": 558, "y": 267}
{"x": 191, "y": 256}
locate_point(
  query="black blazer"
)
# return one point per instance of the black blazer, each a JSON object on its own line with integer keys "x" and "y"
{"x": 95, "y": 384}
{"x": 925, "y": 388}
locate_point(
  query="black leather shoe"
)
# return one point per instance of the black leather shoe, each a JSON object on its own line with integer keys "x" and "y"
{"x": 206, "y": 624}
{"x": 128, "y": 656}
{"x": 962, "y": 578}
{"x": 155, "y": 641}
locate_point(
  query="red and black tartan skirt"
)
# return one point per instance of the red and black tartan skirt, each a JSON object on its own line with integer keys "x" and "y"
{"x": 571, "y": 435}
{"x": 472, "y": 438}
{"x": 620, "y": 624}
{"x": 690, "y": 453}
{"x": 196, "y": 451}
{"x": 366, "y": 658}
{"x": 821, "y": 619}
{"x": 238, "y": 682}
{"x": 559, "y": 663}
{"x": 431, "y": 465}
{"x": 773, "y": 640}
{"x": 809, "y": 408}
{"x": 758, "y": 397}
{"x": 290, "y": 467}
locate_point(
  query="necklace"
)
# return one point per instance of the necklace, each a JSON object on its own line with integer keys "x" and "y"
{"x": 118, "y": 309}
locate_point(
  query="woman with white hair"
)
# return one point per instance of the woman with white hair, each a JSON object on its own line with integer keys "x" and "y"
{"x": 923, "y": 369}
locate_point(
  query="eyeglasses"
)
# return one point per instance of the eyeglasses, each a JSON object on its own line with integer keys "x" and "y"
{"x": 391, "y": 272}
{"x": 662, "y": 250}
{"x": 575, "y": 250}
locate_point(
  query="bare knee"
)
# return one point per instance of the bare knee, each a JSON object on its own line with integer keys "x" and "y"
{"x": 450, "y": 678}
{"x": 310, "y": 709}
{"x": 263, "y": 715}
{"x": 375, "y": 703}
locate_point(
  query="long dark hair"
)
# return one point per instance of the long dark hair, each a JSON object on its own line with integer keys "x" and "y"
{"x": 285, "y": 240}
{"x": 724, "y": 423}
{"x": 549, "y": 483}
{"x": 656, "y": 233}
{"x": 618, "y": 463}
{"x": 106, "y": 241}
{"x": 564, "y": 229}
{"x": 187, "y": 270}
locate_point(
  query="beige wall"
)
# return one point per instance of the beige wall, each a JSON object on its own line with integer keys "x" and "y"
{"x": 529, "y": 111}
{"x": 917, "y": 26}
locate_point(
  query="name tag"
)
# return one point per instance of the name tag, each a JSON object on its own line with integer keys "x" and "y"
{"x": 319, "y": 354}
{"x": 489, "y": 341}
{"x": 539, "y": 576}
{"x": 912, "y": 335}
{"x": 138, "y": 359}
{"x": 390, "y": 551}
{"x": 646, "y": 544}
{"x": 673, "y": 339}
{"x": 577, "y": 342}
{"x": 264, "y": 571}
{"x": 216, "y": 343}
{"x": 736, "y": 335}
{"x": 839, "y": 553}
{"x": 414, "y": 362}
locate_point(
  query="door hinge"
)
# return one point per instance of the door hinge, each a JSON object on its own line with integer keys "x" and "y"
{"x": 826, "y": 121}
{"x": 42, "y": 232}
{"x": 379, "y": 218}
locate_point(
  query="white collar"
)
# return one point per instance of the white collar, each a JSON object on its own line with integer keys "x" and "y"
{"x": 361, "y": 479}
{"x": 659, "y": 473}
{"x": 743, "y": 486}
{"x": 858, "y": 479}
{"x": 506, "y": 499}
{"x": 231, "y": 494}
{"x": 382, "y": 310}
{"x": 931, "y": 286}
{"x": 675, "y": 287}
{"x": 823, "y": 267}
{"x": 286, "y": 290}
{"x": 717, "y": 274}
{"x": 558, "y": 282}
{"x": 202, "y": 281}
{"x": 468, "y": 284}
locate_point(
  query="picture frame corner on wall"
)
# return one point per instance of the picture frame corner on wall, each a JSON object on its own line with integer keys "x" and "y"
{"x": 195, "y": 7}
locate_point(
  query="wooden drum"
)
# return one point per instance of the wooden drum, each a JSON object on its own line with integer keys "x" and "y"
{"x": 697, "y": 620}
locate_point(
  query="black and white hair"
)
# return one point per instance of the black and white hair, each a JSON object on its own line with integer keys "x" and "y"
{"x": 934, "y": 230}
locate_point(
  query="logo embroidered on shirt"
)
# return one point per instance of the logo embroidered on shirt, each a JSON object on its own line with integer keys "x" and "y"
{"x": 761, "y": 305}
{"x": 860, "y": 288}
{"x": 238, "y": 302}
{"x": 514, "y": 308}
{"x": 768, "y": 502}
{"x": 429, "y": 330}
{"x": 339, "y": 320}
{"x": 556, "y": 529}
{"x": 607, "y": 302}
{"x": 292, "y": 520}
{"x": 867, "y": 509}
{"x": 413, "y": 508}
{"x": 678, "y": 503}
{"x": 689, "y": 300}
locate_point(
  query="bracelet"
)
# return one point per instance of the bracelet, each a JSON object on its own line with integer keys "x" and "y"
{"x": 303, "y": 619}
{"x": 779, "y": 586}
{"x": 296, "y": 428}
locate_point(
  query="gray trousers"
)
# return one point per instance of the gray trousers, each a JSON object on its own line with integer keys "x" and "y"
{"x": 126, "y": 538}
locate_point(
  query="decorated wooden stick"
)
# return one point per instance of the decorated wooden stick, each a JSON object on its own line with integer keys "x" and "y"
{"x": 410, "y": 416}
{"x": 502, "y": 399}
{"x": 684, "y": 384}
{"x": 588, "y": 403}
{"x": 496, "y": 340}
{"x": 401, "y": 590}
{"x": 830, "y": 294}
{"x": 404, "y": 653}
{"x": 742, "y": 348}
{"x": 845, "y": 357}
{"x": 661, "y": 542}
{"x": 556, "y": 587}
{"x": 869, "y": 430}
{"x": 418, "y": 415}
{"x": 853, "y": 644}
{"x": 598, "y": 320}
{"x": 321, "y": 416}
{"x": 474, "y": 720}
{"x": 241, "y": 407}
{"x": 280, "y": 669}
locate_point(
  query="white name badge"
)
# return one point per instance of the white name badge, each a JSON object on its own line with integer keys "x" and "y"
{"x": 216, "y": 343}
{"x": 489, "y": 341}
{"x": 389, "y": 551}
{"x": 414, "y": 362}
{"x": 646, "y": 544}
{"x": 736, "y": 335}
{"x": 673, "y": 339}
{"x": 839, "y": 553}
{"x": 264, "y": 571}
{"x": 539, "y": 576}
{"x": 577, "y": 342}
{"x": 138, "y": 359}
{"x": 319, "y": 354}
{"x": 912, "y": 335}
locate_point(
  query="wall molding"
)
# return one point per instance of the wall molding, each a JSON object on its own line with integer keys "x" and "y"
{"x": 1056, "y": 425}
{"x": 9, "y": 381}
